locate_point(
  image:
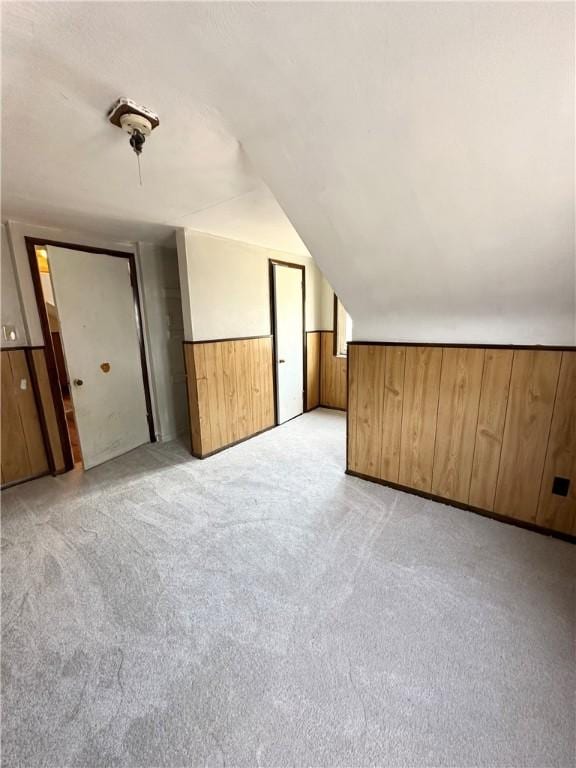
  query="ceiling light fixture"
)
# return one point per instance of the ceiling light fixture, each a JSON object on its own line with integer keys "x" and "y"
{"x": 136, "y": 120}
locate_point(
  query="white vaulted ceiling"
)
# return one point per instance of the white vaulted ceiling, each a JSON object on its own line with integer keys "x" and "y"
{"x": 65, "y": 165}
{"x": 423, "y": 151}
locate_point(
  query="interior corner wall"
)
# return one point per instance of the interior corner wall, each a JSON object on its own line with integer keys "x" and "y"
{"x": 228, "y": 287}
{"x": 11, "y": 313}
{"x": 326, "y": 307}
{"x": 183, "y": 247}
{"x": 163, "y": 325}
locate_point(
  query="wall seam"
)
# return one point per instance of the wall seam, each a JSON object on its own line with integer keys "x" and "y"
{"x": 402, "y": 413}
{"x": 549, "y": 433}
{"x": 436, "y": 423}
{"x": 503, "y": 431}
{"x": 476, "y": 427}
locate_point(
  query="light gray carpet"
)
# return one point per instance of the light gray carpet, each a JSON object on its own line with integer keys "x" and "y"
{"x": 261, "y": 608}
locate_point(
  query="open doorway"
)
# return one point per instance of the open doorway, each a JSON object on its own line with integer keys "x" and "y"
{"x": 58, "y": 350}
{"x": 287, "y": 298}
{"x": 90, "y": 315}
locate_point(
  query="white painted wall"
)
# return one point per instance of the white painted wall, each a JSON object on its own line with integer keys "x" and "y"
{"x": 228, "y": 287}
{"x": 423, "y": 151}
{"x": 326, "y": 307}
{"x": 162, "y": 307}
{"x": 11, "y": 309}
{"x": 183, "y": 247}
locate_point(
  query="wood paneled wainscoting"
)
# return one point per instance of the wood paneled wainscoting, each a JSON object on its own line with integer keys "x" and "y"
{"x": 492, "y": 429}
{"x": 230, "y": 391}
{"x": 31, "y": 440}
{"x": 326, "y": 372}
{"x": 333, "y": 386}
{"x": 313, "y": 369}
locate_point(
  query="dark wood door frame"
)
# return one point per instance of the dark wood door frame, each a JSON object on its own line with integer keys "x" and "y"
{"x": 272, "y": 287}
{"x": 31, "y": 244}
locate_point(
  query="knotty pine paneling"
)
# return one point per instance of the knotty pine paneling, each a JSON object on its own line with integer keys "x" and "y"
{"x": 420, "y": 410}
{"x": 313, "y": 342}
{"x": 458, "y": 404}
{"x": 559, "y": 512}
{"x": 230, "y": 391}
{"x": 528, "y": 418}
{"x": 333, "y": 374}
{"x": 23, "y": 449}
{"x": 488, "y": 428}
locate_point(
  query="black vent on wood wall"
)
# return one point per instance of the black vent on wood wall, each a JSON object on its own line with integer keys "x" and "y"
{"x": 560, "y": 486}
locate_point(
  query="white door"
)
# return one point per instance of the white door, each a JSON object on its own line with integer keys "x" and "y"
{"x": 289, "y": 341}
{"x": 95, "y": 303}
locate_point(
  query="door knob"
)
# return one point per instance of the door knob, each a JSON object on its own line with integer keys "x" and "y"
{"x": 281, "y": 361}
{"x": 78, "y": 382}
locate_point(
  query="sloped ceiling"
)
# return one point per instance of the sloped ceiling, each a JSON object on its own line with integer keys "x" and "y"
{"x": 423, "y": 151}
{"x": 64, "y": 65}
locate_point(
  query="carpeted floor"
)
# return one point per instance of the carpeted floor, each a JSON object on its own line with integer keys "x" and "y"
{"x": 260, "y": 608}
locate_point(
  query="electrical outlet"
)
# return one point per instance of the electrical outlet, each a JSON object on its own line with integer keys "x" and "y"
{"x": 561, "y": 486}
{"x": 23, "y": 384}
{"x": 9, "y": 332}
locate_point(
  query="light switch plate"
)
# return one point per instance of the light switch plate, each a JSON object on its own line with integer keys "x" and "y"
{"x": 23, "y": 384}
{"x": 9, "y": 332}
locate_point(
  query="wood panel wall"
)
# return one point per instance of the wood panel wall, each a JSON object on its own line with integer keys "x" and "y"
{"x": 524, "y": 444}
{"x": 486, "y": 428}
{"x": 313, "y": 344}
{"x": 24, "y": 453}
{"x": 559, "y": 512}
{"x": 230, "y": 391}
{"x": 420, "y": 409}
{"x": 333, "y": 373}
